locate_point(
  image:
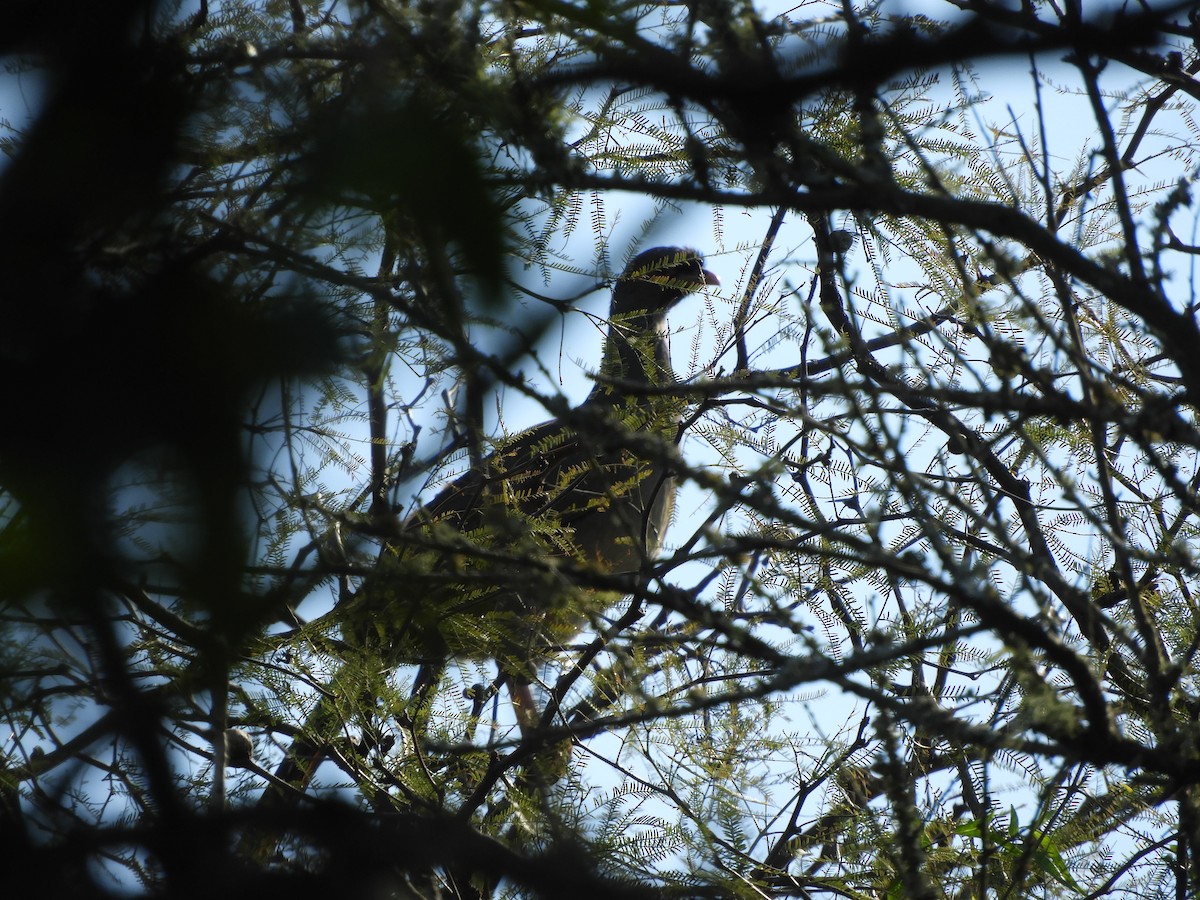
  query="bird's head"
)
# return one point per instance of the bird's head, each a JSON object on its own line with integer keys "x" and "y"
{"x": 653, "y": 282}
{"x": 657, "y": 279}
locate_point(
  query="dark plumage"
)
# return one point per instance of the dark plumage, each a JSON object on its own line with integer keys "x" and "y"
{"x": 467, "y": 576}
{"x": 570, "y": 489}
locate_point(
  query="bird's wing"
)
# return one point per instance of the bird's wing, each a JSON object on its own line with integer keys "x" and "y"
{"x": 585, "y": 490}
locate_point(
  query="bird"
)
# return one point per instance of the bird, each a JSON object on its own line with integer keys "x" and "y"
{"x": 472, "y": 574}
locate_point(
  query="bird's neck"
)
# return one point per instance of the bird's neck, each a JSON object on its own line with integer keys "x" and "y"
{"x": 635, "y": 352}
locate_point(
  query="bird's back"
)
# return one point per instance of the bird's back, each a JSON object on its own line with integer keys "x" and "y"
{"x": 479, "y": 571}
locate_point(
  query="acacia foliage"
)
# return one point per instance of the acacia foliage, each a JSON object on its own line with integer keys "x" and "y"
{"x": 926, "y": 625}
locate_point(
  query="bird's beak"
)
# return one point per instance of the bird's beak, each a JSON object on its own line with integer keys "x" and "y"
{"x": 692, "y": 280}
{"x": 696, "y": 280}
